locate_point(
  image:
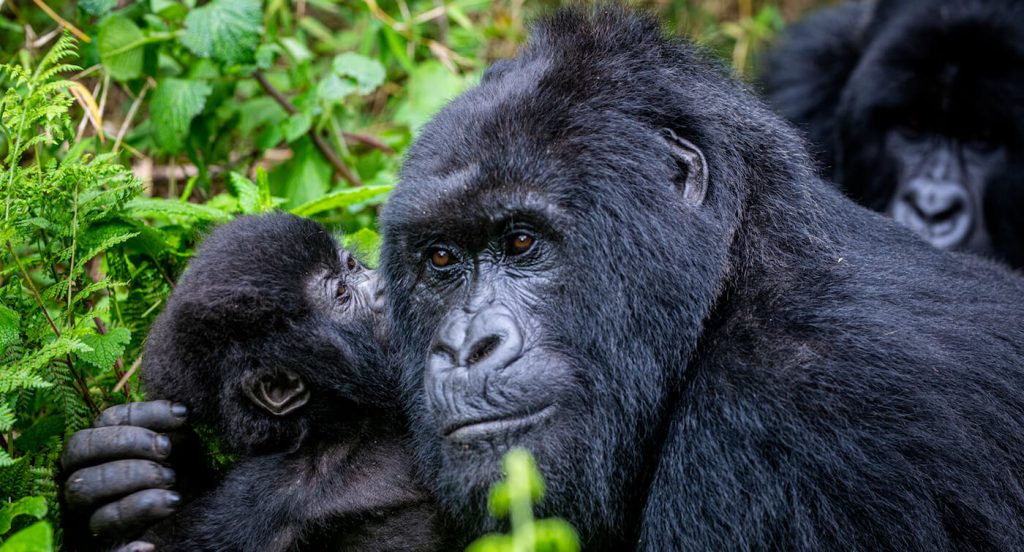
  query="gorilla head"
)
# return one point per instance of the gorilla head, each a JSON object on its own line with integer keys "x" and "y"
{"x": 559, "y": 241}
{"x": 272, "y": 333}
{"x": 927, "y": 103}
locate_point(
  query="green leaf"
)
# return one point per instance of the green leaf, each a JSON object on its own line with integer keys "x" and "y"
{"x": 296, "y": 50}
{"x": 37, "y": 537}
{"x": 297, "y": 126}
{"x": 366, "y": 245}
{"x": 97, "y": 7}
{"x": 225, "y": 30}
{"x": 175, "y": 103}
{"x": 34, "y": 506}
{"x": 333, "y": 89}
{"x": 248, "y": 194}
{"x": 40, "y": 433}
{"x": 492, "y": 542}
{"x": 500, "y": 500}
{"x": 105, "y": 348}
{"x": 9, "y": 328}
{"x": 143, "y": 207}
{"x": 430, "y": 87}
{"x": 367, "y": 73}
{"x": 303, "y": 178}
{"x": 340, "y": 198}
{"x": 553, "y": 534}
{"x": 120, "y": 45}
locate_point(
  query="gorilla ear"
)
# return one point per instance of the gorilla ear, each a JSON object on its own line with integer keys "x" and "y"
{"x": 693, "y": 179}
{"x": 279, "y": 393}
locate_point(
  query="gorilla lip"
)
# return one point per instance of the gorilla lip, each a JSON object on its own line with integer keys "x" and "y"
{"x": 467, "y": 430}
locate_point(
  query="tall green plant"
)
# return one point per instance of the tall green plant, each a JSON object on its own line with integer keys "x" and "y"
{"x": 60, "y": 214}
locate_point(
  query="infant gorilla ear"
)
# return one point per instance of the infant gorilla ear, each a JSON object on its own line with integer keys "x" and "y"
{"x": 271, "y": 334}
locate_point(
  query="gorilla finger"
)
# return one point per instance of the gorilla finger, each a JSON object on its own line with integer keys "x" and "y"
{"x": 136, "y": 546}
{"x": 90, "y": 486}
{"x": 156, "y": 415}
{"x": 94, "y": 446}
{"x": 134, "y": 513}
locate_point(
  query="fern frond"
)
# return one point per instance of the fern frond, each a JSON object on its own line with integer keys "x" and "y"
{"x": 65, "y": 47}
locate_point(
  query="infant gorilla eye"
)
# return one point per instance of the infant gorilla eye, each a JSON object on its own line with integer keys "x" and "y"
{"x": 519, "y": 243}
{"x": 440, "y": 257}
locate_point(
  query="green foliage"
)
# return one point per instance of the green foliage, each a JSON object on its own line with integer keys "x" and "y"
{"x": 37, "y": 537}
{"x": 513, "y": 498}
{"x": 187, "y": 115}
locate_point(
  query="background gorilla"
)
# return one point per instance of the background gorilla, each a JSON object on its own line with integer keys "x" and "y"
{"x": 917, "y": 110}
{"x": 610, "y": 254}
{"x": 272, "y": 339}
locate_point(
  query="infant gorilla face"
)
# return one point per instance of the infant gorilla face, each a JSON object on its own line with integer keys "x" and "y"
{"x": 271, "y": 335}
{"x": 345, "y": 298}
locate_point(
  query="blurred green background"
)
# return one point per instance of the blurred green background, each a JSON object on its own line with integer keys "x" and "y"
{"x": 127, "y": 129}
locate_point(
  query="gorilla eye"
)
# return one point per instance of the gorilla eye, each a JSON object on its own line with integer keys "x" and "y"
{"x": 342, "y": 291}
{"x": 519, "y": 243}
{"x": 351, "y": 263}
{"x": 440, "y": 257}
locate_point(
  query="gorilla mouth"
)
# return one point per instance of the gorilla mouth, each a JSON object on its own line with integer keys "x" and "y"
{"x": 475, "y": 429}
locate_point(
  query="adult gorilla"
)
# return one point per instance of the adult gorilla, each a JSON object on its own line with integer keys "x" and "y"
{"x": 917, "y": 110}
{"x": 611, "y": 255}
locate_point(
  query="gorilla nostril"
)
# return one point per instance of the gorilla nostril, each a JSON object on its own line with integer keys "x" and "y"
{"x": 481, "y": 349}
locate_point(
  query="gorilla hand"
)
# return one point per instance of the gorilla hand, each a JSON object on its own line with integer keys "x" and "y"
{"x": 120, "y": 477}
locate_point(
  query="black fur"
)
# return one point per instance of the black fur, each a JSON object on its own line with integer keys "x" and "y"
{"x": 856, "y": 77}
{"x": 262, "y": 297}
{"x": 774, "y": 368}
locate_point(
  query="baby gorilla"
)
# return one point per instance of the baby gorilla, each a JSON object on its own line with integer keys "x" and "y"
{"x": 271, "y": 338}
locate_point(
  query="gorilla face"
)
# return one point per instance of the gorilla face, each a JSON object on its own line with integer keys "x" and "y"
{"x": 929, "y": 124}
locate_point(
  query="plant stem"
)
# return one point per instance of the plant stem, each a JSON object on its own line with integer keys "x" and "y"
{"x": 84, "y": 389}
{"x": 321, "y": 144}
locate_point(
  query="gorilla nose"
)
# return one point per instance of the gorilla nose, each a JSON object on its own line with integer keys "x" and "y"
{"x": 488, "y": 339}
{"x": 937, "y": 211}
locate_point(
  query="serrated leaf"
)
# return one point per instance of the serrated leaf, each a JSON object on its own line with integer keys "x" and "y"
{"x": 120, "y": 44}
{"x": 367, "y": 73}
{"x": 341, "y": 198}
{"x": 97, "y": 7}
{"x": 9, "y": 328}
{"x": 105, "y": 348}
{"x": 34, "y": 506}
{"x": 37, "y": 537}
{"x": 175, "y": 103}
{"x": 248, "y": 193}
{"x": 144, "y": 207}
{"x": 225, "y": 30}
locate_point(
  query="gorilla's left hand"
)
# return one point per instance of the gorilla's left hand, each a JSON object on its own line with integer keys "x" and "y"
{"x": 121, "y": 476}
